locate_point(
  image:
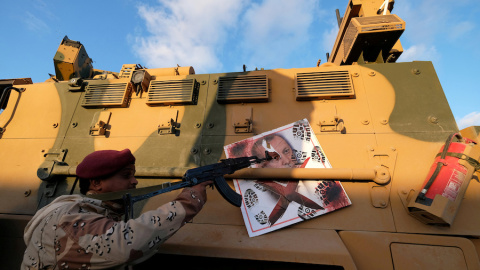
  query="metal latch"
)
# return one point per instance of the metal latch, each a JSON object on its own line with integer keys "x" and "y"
{"x": 329, "y": 119}
{"x": 334, "y": 124}
{"x": 100, "y": 123}
{"x": 242, "y": 119}
{"x": 168, "y": 122}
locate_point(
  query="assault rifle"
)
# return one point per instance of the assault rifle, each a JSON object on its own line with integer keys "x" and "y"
{"x": 191, "y": 177}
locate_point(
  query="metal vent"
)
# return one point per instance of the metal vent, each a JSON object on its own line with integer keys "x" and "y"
{"x": 383, "y": 31}
{"x": 173, "y": 92}
{"x": 324, "y": 85}
{"x": 242, "y": 88}
{"x": 107, "y": 94}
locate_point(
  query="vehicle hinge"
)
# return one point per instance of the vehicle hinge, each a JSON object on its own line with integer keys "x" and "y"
{"x": 100, "y": 123}
{"x": 243, "y": 127}
{"x": 168, "y": 122}
{"x": 242, "y": 119}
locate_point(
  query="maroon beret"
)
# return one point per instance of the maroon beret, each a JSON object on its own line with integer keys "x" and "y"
{"x": 103, "y": 163}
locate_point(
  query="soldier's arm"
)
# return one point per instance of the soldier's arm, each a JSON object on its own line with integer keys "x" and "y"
{"x": 106, "y": 243}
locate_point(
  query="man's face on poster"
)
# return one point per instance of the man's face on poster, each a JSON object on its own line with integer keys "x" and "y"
{"x": 278, "y": 149}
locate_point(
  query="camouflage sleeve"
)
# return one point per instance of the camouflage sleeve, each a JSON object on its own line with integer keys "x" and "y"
{"x": 100, "y": 242}
{"x": 193, "y": 199}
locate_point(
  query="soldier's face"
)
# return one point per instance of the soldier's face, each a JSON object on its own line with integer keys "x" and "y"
{"x": 122, "y": 180}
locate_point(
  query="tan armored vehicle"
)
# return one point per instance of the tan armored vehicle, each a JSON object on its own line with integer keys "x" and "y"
{"x": 381, "y": 124}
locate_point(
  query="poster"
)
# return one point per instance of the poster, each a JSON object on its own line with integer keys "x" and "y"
{"x": 269, "y": 205}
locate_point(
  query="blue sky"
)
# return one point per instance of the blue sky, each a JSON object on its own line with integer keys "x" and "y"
{"x": 220, "y": 36}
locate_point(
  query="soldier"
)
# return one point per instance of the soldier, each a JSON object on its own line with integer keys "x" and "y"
{"x": 77, "y": 232}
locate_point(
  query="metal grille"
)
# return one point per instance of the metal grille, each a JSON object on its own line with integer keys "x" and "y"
{"x": 365, "y": 25}
{"x": 107, "y": 94}
{"x": 324, "y": 85}
{"x": 379, "y": 23}
{"x": 242, "y": 88}
{"x": 348, "y": 39}
{"x": 173, "y": 92}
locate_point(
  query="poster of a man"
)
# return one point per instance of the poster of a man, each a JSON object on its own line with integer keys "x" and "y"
{"x": 270, "y": 205}
{"x": 277, "y": 148}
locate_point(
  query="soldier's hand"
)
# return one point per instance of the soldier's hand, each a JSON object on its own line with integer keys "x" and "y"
{"x": 193, "y": 199}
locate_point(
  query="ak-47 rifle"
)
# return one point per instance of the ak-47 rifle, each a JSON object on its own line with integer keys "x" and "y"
{"x": 191, "y": 177}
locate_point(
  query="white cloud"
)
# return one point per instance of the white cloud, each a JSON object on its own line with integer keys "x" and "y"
{"x": 471, "y": 119}
{"x": 418, "y": 53}
{"x": 276, "y": 29}
{"x": 460, "y": 29}
{"x": 212, "y": 34}
{"x": 433, "y": 22}
{"x": 425, "y": 20}
{"x": 186, "y": 32}
{"x": 329, "y": 37}
{"x": 35, "y": 24}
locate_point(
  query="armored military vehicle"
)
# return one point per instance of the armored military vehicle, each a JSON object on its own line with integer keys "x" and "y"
{"x": 383, "y": 125}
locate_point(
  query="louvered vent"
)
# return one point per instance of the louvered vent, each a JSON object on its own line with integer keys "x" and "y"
{"x": 173, "y": 92}
{"x": 107, "y": 94}
{"x": 324, "y": 85}
{"x": 243, "y": 88}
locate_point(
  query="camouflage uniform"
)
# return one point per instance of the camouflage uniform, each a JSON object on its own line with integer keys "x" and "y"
{"x": 76, "y": 232}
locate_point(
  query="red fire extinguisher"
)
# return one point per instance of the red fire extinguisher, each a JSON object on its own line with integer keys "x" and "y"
{"x": 439, "y": 199}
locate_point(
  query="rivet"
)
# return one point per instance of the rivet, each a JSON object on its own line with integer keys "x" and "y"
{"x": 433, "y": 119}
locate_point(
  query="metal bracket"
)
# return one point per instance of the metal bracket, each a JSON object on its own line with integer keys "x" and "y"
{"x": 100, "y": 123}
{"x": 168, "y": 122}
{"x": 52, "y": 158}
{"x": 334, "y": 124}
{"x": 242, "y": 119}
{"x": 168, "y": 127}
{"x": 243, "y": 127}
{"x": 379, "y": 195}
{"x": 329, "y": 119}
{"x": 383, "y": 159}
{"x": 76, "y": 85}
